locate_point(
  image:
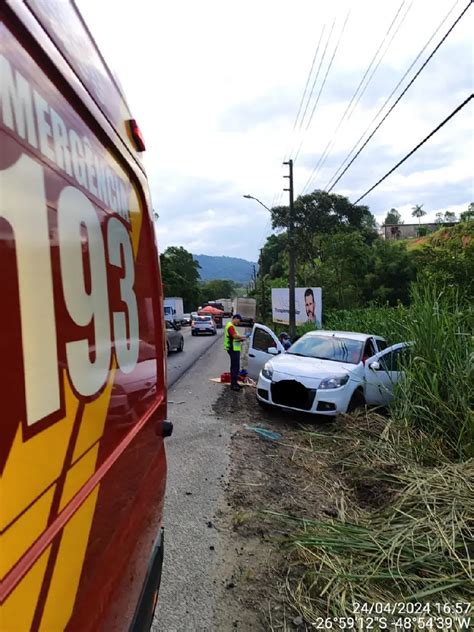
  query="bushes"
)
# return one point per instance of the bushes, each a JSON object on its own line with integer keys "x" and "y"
{"x": 447, "y": 258}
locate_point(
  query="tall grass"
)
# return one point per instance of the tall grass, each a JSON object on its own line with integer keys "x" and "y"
{"x": 435, "y": 396}
{"x": 385, "y": 321}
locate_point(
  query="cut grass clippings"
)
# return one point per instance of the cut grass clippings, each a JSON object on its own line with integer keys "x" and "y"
{"x": 418, "y": 549}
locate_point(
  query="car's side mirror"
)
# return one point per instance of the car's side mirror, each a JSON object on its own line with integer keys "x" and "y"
{"x": 272, "y": 351}
{"x": 374, "y": 366}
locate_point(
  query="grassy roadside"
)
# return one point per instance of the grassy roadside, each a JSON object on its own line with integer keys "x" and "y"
{"x": 369, "y": 508}
{"x": 415, "y": 543}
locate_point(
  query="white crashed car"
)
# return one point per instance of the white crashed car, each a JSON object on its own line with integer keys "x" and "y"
{"x": 324, "y": 372}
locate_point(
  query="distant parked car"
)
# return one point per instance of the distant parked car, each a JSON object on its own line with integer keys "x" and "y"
{"x": 174, "y": 338}
{"x": 186, "y": 320}
{"x": 324, "y": 372}
{"x": 194, "y": 315}
{"x": 203, "y": 325}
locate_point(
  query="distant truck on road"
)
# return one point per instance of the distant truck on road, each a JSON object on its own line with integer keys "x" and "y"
{"x": 226, "y": 304}
{"x": 247, "y": 308}
{"x": 174, "y": 310}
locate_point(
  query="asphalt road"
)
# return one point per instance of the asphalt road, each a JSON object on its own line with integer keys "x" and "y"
{"x": 194, "y": 348}
{"x": 198, "y": 457}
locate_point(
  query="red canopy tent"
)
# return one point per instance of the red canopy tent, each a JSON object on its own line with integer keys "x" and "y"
{"x": 217, "y": 314}
{"x": 210, "y": 310}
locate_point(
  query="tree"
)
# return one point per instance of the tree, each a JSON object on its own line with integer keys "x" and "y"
{"x": 393, "y": 217}
{"x": 324, "y": 213}
{"x": 272, "y": 260}
{"x": 390, "y": 273}
{"x": 339, "y": 263}
{"x": 439, "y": 217}
{"x": 215, "y": 289}
{"x": 320, "y": 211}
{"x": 180, "y": 275}
{"x": 467, "y": 216}
{"x": 417, "y": 211}
{"x": 450, "y": 217}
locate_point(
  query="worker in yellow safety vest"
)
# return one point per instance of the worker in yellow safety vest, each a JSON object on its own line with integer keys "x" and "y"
{"x": 233, "y": 344}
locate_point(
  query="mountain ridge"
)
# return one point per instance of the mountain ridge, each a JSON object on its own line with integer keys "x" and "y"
{"x": 223, "y": 267}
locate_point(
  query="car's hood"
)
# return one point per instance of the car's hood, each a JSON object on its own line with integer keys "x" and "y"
{"x": 297, "y": 366}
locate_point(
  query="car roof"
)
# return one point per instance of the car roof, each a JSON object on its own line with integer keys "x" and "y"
{"x": 353, "y": 335}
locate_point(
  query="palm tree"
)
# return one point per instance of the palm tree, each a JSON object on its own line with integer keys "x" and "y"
{"x": 417, "y": 211}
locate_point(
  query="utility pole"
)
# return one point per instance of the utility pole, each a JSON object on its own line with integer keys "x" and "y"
{"x": 291, "y": 252}
{"x": 254, "y": 277}
{"x": 262, "y": 284}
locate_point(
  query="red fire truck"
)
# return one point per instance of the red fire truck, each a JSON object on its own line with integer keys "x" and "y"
{"x": 82, "y": 373}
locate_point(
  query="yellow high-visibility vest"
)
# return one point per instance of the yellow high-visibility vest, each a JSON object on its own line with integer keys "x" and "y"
{"x": 229, "y": 342}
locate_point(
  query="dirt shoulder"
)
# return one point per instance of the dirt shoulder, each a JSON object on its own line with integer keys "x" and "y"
{"x": 267, "y": 477}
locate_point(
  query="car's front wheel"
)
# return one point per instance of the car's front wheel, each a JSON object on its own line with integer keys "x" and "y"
{"x": 181, "y": 345}
{"x": 357, "y": 401}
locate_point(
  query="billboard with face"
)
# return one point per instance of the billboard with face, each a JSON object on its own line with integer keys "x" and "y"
{"x": 308, "y": 305}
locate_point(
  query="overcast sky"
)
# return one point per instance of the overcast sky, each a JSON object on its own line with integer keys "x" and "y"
{"x": 216, "y": 87}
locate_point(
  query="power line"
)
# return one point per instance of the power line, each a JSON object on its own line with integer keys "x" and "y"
{"x": 307, "y": 84}
{"x": 321, "y": 61}
{"x": 331, "y": 142}
{"x": 329, "y": 187}
{"x": 324, "y": 81}
{"x": 448, "y": 118}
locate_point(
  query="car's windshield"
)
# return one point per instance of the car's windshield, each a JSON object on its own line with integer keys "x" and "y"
{"x": 203, "y": 319}
{"x": 328, "y": 348}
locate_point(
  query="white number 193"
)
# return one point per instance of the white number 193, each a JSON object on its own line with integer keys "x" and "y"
{"x": 23, "y": 205}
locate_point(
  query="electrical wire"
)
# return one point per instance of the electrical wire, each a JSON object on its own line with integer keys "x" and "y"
{"x": 308, "y": 79}
{"x": 359, "y": 92}
{"x": 321, "y": 61}
{"x": 324, "y": 82}
{"x": 331, "y": 184}
{"x": 315, "y": 80}
{"x": 415, "y": 149}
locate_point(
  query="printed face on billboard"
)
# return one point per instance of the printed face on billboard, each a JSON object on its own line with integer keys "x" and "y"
{"x": 308, "y": 305}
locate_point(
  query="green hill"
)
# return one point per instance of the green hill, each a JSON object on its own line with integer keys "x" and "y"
{"x": 232, "y": 268}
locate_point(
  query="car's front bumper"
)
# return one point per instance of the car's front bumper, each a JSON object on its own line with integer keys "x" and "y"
{"x": 329, "y": 402}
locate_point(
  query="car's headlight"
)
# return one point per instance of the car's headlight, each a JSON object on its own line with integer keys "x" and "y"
{"x": 334, "y": 382}
{"x": 267, "y": 371}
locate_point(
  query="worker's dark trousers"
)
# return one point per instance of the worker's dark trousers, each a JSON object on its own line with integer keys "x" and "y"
{"x": 234, "y": 366}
